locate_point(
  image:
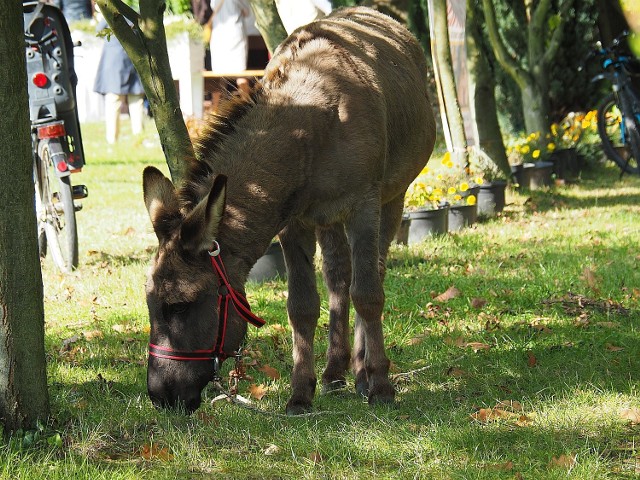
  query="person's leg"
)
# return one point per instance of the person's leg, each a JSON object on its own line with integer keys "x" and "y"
{"x": 136, "y": 113}
{"x": 112, "y": 105}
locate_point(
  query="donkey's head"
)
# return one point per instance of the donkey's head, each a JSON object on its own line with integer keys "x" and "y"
{"x": 181, "y": 292}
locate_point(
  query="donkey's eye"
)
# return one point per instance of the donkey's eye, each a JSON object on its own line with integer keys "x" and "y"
{"x": 177, "y": 308}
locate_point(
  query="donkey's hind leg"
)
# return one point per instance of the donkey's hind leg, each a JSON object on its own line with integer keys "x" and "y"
{"x": 336, "y": 269}
{"x": 303, "y": 307}
{"x": 391, "y": 215}
{"x": 370, "y": 362}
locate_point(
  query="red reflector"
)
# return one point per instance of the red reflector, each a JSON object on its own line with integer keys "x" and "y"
{"x": 62, "y": 166}
{"x": 40, "y": 80}
{"x": 52, "y": 131}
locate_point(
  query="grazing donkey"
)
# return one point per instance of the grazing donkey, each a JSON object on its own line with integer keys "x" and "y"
{"x": 324, "y": 151}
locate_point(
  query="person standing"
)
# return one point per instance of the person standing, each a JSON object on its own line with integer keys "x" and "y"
{"x": 118, "y": 81}
{"x": 229, "y": 42}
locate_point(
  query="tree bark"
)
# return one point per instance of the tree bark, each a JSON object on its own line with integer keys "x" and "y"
{"x": 482, "y": 91}
{"x": 532, "y": 75}
{"x": 145, "y": 42}
{"x": 23, "y": 380}
{"x": 447, "y": 89}
{"x": 269, "y": 23}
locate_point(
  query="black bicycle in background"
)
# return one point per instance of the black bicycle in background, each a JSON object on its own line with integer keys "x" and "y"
{"x": 619, "y": 112}
{"x": 55, "y": 130}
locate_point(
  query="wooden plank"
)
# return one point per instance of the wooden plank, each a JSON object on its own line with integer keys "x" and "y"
{"x": 246, "y": 73}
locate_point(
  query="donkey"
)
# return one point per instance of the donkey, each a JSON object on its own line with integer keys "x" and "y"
{"x": 323, "y": 151}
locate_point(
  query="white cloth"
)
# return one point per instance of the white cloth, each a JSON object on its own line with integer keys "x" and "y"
{"x": 229, "y": 43}
{"x": 295, "y": 13}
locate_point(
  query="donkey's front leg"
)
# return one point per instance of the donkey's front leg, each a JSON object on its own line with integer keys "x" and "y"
{"x": 370, "y": 361}
{"x": 303, "y": 307}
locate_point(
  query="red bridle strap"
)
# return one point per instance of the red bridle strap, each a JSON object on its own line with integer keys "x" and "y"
{"x": 226, "y": 295}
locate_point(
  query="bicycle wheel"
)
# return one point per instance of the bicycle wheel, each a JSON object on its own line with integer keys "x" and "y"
{"x": 55, "y": 211}
{"x": 625, "y": 152}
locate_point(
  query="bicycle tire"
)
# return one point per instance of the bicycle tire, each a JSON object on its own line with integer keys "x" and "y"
{"x": 56, "y": 211}
{"x": 626, "y": 156}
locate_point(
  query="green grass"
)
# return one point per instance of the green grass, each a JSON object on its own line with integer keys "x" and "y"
{"x": 558, "y": 334}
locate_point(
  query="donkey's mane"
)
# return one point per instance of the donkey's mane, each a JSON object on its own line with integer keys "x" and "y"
{"x": 217, "y": 127}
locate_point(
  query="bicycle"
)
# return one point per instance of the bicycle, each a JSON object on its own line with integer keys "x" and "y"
{"x": 619, "y": 112}
{"x": 55, "y": 131}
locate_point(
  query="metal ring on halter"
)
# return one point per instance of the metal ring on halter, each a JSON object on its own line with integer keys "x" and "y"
{"x": 216, "y": 249}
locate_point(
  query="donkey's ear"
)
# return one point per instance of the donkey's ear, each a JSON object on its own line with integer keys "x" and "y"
{"x": 200, "y": 227}
{"x": 161, "y": 200}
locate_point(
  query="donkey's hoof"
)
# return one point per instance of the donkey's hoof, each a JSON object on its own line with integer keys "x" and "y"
{"x": 297, "y": 407}
{"x": 362, "y": 388}
{"x": 335, "y": 386}
{"x": 382, "y": 395}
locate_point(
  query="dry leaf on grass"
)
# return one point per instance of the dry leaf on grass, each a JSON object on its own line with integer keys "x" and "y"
{"x": 155, "y": 452}
{"x": 590, "y": 278}
{"x": 613, "y": 348}
{"x": 563, "y": 461}
{"x": 478, "y": 302}
{"x": 315, "y": 457}
{"x": 532, "y": 361}
{"x": 451, "y": 293}
{"x": 271, "y": 450}
{"x": 631, "y": 414}
{"x": 477, "y": 346}
{"x": 270, "y": 372}
{"x": 257, "y": 391}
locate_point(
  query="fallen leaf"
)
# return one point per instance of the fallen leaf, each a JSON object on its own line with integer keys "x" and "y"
{"x": 613, "y": 348}
{"x": 257, "y": 391}
{"x": 477, "y": 346}
{"x": 149, "y": 452}
{"x": 270, "y": 372}
{"x": 512, "y": 405}
{"x": 590, "y": 278}
{"x": 271, "y": 450}
{"x": 478, "y": 302}
{"x": 532, "y": 361}
{"x": 608, "y": 324}
{"x": 68, "y": 342}
{"x": 416, "y": 340}
{"x": 91, "y": 334}
{"x": 451, "y": 293}
{"x": 315, "y": 457}
{"x": 631, "y": 414}
{"x": 505, "y": 467}
{"x": 486, "y": 415}
{"x": 524, "y": 421}
{"x": 456, "y": 372}
{"x": 564, "y": 461}
{"x": 454, "y": 341}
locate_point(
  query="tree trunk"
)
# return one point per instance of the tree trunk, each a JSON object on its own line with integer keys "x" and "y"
{"x": 23, "y": 379}
{"x": 542, "y": 46}
{"x": 482, "y": 91}
{"x": 269, "y": 23}
{"x": 146, "y": 44}
{"x": 447, "y": 86}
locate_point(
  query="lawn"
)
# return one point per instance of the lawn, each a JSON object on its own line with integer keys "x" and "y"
{"x": 514, "y": 345}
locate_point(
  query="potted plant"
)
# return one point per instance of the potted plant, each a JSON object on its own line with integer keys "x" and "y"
{"x": 492, "y": 184}
{"x": 528, "y": 157}
{"x": 424, "y": 210}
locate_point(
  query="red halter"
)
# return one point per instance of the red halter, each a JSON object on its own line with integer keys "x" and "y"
{"x": 226, "y": 294}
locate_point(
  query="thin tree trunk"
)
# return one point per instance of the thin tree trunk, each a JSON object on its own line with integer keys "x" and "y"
{"x": 23, "y": 380}
{"x": 146, "y": 44}
{"x": 269, "y": 23}
{"x": 482, "y": 91}
{"x": 443, "y": 65}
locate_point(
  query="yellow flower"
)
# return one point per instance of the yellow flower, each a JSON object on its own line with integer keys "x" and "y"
{"x": 536, "y": 153}
{"x": 554, "y": 129}
{"x": 524, "y": 149}
{"x": 451, "y": 190}
{"x": 479, "y": 180}
{"x": 471, "y": 200}
{"x": 446, "y": 158}
{"x": 551, "y": 146}
{"x": 457, "y": 197}
{"x": 464, "y": 186}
